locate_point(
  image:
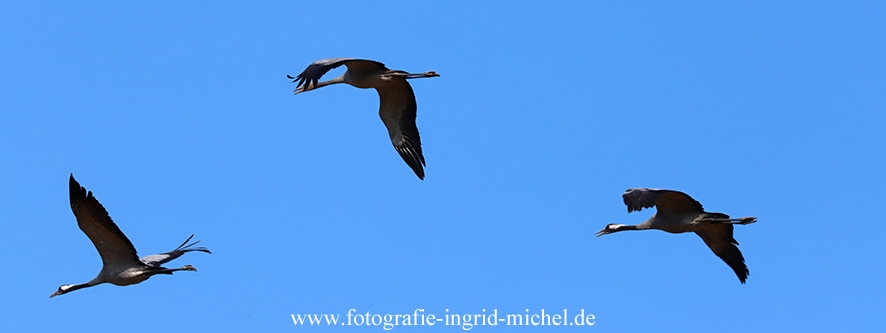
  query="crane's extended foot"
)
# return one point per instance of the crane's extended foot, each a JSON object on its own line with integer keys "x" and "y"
{"x": 743, "y": 220}
{"x": 415, "y": 76}
{"x": 163, "y": 270}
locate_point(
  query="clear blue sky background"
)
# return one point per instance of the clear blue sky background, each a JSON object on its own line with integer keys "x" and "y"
{"x": 179, "y": 117}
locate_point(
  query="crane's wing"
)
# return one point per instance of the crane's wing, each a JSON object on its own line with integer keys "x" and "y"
{"x": 93, "y": 219}
{"x": 718, "y": 237}
{"x": 666, "y": 201}
{"x": 155, "y": 260}
{"x": 397, "y": 110}
{"x": 317, "y": 69}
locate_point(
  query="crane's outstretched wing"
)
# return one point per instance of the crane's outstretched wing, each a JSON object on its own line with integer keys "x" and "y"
{"x": 93, "y": 219}
{"x": 666, "y": 201}
{"x": 718, "y": 237}
{"x": 397, "y": 110}
{"x": 317, "y": 69}
{"x": 155, "y": 260}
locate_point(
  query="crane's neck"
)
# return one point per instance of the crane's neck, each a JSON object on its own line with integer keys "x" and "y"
{"x": 71, "y": 287}
{"x": 623, "y": 227}
{"x": 645, "y": 225}
{"x": 309, "y": 86}
{"x": 82, "y": 285}
{"x": 642, "y": 226}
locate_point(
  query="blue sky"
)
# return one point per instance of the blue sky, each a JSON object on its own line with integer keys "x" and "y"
{"x": 179, "y": 117}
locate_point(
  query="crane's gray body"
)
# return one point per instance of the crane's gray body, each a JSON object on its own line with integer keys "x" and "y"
{"x": 675, "y": 223}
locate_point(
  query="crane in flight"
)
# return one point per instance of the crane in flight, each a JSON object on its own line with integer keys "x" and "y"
{"x": 120, "y": 264}
{"x": 677, "y": 212}
{"x": 397, "y": 100}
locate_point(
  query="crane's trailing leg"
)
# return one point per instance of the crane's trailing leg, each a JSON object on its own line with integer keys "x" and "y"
{"x": 427, "y": 74}
{"x": 716, "y": 219}
{"x": 169, "y": 271}
{"x": 185, "y": 268}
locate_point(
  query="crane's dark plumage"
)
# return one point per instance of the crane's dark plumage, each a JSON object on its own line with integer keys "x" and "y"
{"x": 674, "y": 201}
{"x": 94, "y": 221}
{"x": 397, "y": 107}
{"x": 677, "y": 212}
{"x": 120, "y": 263}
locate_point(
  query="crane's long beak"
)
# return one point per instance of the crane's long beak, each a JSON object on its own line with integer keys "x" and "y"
{"x": 601, "y": 233}
{"x": 303, "y": 88}
{"x": 308, "y": 86}
{"x": 54, "y": 294}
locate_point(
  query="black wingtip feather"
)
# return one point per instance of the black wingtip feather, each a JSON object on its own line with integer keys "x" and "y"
{"x": 413, "y": 158}
{"x": 76, "y": 192}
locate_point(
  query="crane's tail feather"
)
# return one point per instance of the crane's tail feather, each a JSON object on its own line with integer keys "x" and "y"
{"x": 187, "y": 248}
{"x": 185, "y": 242}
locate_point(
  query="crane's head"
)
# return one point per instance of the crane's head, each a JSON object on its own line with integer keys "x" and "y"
{"x": 306, "y": 87}
{"x": 610, "y": 228}
{"x": 64, "y": 289}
